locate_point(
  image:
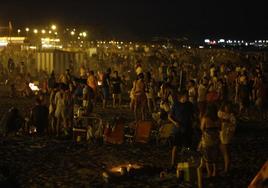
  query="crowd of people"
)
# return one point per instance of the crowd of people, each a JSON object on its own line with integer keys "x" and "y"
{"x": 202, "y": 98}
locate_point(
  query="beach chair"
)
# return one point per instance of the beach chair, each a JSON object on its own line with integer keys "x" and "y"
{"x": 142, "y": 132}
{"x": 89, "y": 128}
{"x": 114, "y": 135}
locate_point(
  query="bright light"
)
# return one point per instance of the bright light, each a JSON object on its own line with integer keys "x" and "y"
{"x": 72, "y": 33}
{"x": 33, "y": 87}
{"x": 43, "y": 31}
{"x": 19, "y": 30}
{"x": 35, "y": 31}
{"x": 84, "y": 34}
{"x": 50, "y": 40}
{"x": 27, "y": 29}
{"x": 49, "y": 32}
{"x": 3, "y": 43}
{"x": 53, "y": 27}
{"x": 221, "y": 41}
{"x": 56, "y": 33}
{"x": 207, "y": 41}
{"x": 201, "y": 47}
{"x": 32, "y": 47}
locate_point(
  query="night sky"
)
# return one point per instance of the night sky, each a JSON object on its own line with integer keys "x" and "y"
{"x": 145, "y": 19}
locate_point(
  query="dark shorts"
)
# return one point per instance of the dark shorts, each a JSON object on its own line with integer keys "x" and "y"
{"x": 105, "y": 92}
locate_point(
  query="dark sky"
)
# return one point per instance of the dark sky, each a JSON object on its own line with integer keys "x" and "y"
{"x": 196, "y": 19}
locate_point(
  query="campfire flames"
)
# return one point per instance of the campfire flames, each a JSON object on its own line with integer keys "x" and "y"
{"x": 33, "y": 87}
{"x": 120, "y": 168}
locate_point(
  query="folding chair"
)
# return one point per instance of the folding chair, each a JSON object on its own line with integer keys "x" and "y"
{"x": 114, "y": 135}
{"x": 143, "y": 131}
{"x": 88, "y": 128}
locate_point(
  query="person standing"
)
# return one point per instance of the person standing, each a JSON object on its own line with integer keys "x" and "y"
{"x": 92, "y": 83}
{"x": 139, "y": 97}
{"x": 60, "y": 110}
{"x": 39, "y": 117}
{"x": 116, "y": 89}
{"x": 228, "y": 125}
{"x": 210, "y": 139}
{"x": 181, "y": 116}
{"x": 201, "y": 97}
{"x": 106, "y": 87}
{"x": 150, "y": 93}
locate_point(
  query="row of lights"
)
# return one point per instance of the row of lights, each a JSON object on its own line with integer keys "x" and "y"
{"x": 232, "y": 41}
{"x": 43, "y": 31}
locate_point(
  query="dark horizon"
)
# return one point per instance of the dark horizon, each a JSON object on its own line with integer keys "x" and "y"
{"x": 145, "y": 20}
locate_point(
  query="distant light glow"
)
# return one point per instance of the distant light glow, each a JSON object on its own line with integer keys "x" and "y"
{"x": 221, "y": 41}
{"x": 35, "y": 31}
{"x": 207, "y": 41}
{"x": 53, "y": 27}
{"x": 32, "y": 47}
{"x": 3, "y": 43}
{"x": 43, "y": 31}
{"x": 84, "y": 34}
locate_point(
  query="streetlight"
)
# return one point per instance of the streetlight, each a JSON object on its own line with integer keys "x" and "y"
{"x": 53, "y": 27}
{"x": 84, "y": 34}
{"x": 27, "y": 30}
{"x": 49, "y": 31}
{"x": 35, "y": 31}
{"x": 72, "y": 33}
{"x": 43, "y": 31}
{"x": 19, "y": 32}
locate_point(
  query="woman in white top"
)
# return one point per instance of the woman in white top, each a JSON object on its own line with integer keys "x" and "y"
{"x": 228, "y": 125}
{"x": 60, "y": 110}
